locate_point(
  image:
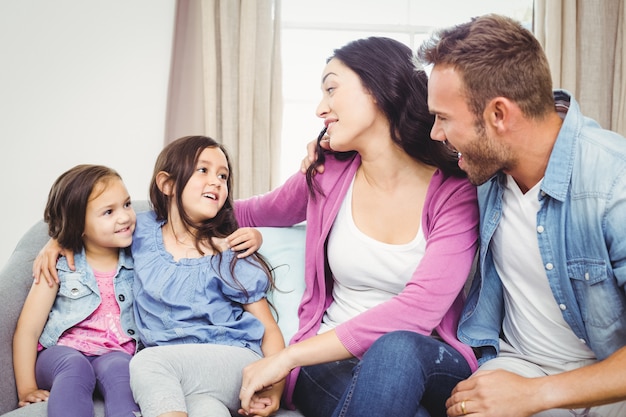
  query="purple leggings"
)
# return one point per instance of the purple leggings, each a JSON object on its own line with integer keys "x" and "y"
{"x": 72, "y": 377}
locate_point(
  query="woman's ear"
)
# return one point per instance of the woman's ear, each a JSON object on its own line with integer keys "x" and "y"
{"x": 165, "y": 183}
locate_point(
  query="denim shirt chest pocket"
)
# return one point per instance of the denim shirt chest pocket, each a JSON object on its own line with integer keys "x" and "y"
{"x": 600, "y": 299}
{"x": 75, "y": 301}
{"x": 75, "y": 293}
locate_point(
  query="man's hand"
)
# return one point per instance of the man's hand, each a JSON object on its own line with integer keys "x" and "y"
{"x": 311, "y": 154}
{"x": 493, "y": 394}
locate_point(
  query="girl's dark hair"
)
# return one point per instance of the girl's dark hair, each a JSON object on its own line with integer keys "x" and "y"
{"x": 387, "y": 70}
{"x": 179, "y": 159}
{"x": 67, "y": 203}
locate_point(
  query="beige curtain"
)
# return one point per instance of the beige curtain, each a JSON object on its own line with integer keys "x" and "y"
{"x": 584, "y": 42}
{"x": 226, "y": 83}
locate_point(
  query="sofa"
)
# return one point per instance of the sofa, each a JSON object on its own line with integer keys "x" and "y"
{"x": 282, "y": 247}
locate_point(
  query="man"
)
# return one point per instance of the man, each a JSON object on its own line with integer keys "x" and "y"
{"x": 546, "y": 312}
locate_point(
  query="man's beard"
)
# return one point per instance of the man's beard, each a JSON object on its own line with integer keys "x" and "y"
{"x": 482, "y": 159}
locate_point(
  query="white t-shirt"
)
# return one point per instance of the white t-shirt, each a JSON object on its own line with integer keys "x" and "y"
{"x": 533, "y": 323}
{"x": 366, "y": 272}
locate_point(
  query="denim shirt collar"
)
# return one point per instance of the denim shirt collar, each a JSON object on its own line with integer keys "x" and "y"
{"x": 126, "y": 259}
{"x": 557, "y": 177}
{"x": 80, "y": 260}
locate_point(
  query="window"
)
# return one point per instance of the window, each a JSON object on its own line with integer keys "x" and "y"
{"x": 312, "y": 30}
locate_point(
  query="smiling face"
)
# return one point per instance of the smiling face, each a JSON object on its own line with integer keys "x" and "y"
{"x": 348, "y": 110}
{"x": 109, "y": 218}
{"x": 206, "y": 191}
{"x": 480, "y": 155}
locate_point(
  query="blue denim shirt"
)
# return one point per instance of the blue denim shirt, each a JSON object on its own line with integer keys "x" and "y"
{"x": 581, "y": 229}
{"x": 79, "y": 296}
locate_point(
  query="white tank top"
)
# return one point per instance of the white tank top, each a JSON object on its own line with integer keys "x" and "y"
{"x": 366, "y": 272}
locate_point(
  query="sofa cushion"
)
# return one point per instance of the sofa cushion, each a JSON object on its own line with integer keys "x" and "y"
{"x": 283, "y": 247}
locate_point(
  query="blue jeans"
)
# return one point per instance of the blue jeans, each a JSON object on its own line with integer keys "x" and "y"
{"x": 402, "y": 374}
{"x": 71, "y": 378}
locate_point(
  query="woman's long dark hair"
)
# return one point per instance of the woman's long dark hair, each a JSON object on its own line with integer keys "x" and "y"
{"x": 387, "y": 70}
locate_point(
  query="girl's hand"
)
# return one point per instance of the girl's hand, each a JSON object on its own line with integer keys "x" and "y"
{"x": 245, "y": 241}
{"x": 45, "y": 264}
{"x": 264, "y": 376}
{"x": 35, "y": 396}
{"x": 266, "y": 402}
{"x": 263, "y": 381}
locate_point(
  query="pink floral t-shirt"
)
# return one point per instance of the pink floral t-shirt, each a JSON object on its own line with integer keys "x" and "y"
{"x": 102, "y": 331}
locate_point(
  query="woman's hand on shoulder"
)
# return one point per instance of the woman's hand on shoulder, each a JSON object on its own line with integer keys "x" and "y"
{"x": 245, "y": 241}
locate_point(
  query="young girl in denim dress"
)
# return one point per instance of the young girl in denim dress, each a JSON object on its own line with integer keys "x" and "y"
{"x": 201, "y": 307}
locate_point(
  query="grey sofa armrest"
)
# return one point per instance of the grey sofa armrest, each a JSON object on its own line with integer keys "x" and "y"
{"x": 15, "y": 282}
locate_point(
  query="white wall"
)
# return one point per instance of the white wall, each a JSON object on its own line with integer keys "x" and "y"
{"x": 81, "y": 81}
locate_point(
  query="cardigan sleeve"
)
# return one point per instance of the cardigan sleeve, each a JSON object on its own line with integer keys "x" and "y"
{"x": 284, "y": 206}
{"x": 450, "y": 224}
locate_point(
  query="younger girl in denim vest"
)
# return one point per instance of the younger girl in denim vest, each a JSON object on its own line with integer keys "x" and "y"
{"x": 78, "y": 336}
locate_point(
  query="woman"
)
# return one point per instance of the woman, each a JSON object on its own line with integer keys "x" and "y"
{"x": 391, "y": 235}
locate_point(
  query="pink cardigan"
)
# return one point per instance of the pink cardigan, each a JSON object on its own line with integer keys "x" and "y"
{"x": 432, "y": 299}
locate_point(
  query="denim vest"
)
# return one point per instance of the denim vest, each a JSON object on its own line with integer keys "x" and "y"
{"x": 79, "y": 296}
{"x": 581, "y": 230}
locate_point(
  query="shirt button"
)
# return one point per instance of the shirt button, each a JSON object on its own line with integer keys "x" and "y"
{"x": 131, "y": 332}
{"x": 563, "y": 307}
{"x": 586, "y": 276}
{"x": 121, "y": 298}
{"x": 549, "y": 266}
{"x": 540, "y": 229}
{"x": 74, "y": 291}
